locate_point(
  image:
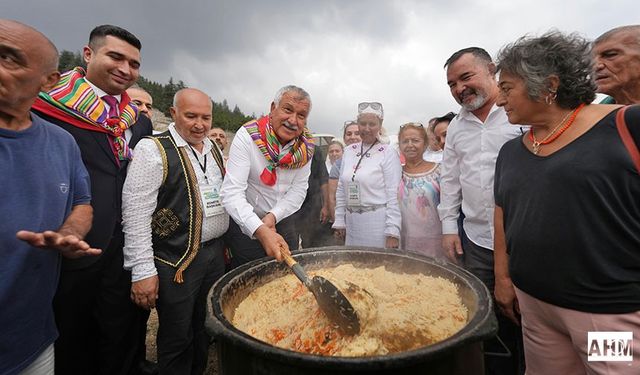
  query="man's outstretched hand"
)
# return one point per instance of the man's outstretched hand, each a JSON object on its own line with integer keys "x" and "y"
{"x": 70, "y": 246}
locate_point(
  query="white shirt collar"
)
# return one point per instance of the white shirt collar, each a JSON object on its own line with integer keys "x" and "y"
{"x": 100, "y": 93}
{"x": 180, "y": 142}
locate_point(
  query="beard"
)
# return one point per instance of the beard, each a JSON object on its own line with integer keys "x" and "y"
{"x": 479, "y": 101}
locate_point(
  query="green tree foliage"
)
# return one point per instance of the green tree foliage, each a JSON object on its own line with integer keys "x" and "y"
{"x": 69, "y": 60}
{"x": 227, "y": 119}
{"x": 162, "y": 95}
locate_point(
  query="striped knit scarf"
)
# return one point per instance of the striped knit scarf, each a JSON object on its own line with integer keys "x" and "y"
{"x": 73, "y": 99}
{"x": 265, "y": 138}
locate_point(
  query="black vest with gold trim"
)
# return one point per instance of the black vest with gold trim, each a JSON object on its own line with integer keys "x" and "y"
{"x": 176, "y": 224}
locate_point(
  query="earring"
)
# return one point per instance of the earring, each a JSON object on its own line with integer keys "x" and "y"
{"x": 551, "y": 98}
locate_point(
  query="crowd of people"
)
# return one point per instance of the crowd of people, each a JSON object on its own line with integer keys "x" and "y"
{"x": 531, "y": 187}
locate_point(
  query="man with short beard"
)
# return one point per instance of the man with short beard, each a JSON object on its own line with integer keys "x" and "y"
{"x": 474, "y": 138}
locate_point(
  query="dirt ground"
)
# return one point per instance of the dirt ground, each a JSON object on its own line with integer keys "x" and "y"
{"x": 152, "y": 330}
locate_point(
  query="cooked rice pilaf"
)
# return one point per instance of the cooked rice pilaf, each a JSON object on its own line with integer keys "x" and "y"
{"x": 405, "y": 311}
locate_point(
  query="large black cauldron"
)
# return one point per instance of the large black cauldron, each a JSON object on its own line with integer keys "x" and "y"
{"x": 240, "y": 354}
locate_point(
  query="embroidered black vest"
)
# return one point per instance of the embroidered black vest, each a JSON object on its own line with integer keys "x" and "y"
{"x": 176, "y": 224}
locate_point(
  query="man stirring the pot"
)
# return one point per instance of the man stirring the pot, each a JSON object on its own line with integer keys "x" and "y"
{"x": 267, "y": 178}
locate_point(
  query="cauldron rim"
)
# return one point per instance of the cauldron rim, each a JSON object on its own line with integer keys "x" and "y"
{"x": 484, "y": 319}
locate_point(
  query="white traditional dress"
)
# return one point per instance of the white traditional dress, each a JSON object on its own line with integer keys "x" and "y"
{"x": 366, "y": 199}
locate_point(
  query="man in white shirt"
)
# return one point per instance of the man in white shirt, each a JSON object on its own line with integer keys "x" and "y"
{"x": 143, "y": 100}
{"x": 173, "y": 223}
{"x": 267, "y": 178}
{"x": 474, "y": 138}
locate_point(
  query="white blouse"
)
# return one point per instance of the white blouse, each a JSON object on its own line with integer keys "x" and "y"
{"x": 378, "y": 175}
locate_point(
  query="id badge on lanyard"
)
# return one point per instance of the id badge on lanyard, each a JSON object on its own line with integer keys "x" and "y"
{"x": 353, "y": 186}
{"x": 210, "y": 196}
{"x": 353, "y": 189}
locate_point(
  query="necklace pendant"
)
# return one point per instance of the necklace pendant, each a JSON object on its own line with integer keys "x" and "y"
{"x": 535, "y": 146}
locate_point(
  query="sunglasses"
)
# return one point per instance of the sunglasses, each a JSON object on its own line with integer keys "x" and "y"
{"x": 374, "y": 105}
{"x": 416, "y": 124}
{"x": 350, "y": 122}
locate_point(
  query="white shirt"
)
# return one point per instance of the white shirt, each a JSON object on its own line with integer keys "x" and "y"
{"x": 468, "y": 166}
{"x": 100, "y": 93}
{"x": 378, "y": 175}
{"x": 246, "y": 198}
{"x": 140, "y": 199}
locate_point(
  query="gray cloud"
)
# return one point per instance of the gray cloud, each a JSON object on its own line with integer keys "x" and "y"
{"x": 342, "y": 52}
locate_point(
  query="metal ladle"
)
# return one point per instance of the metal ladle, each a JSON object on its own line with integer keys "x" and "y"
{"x": 331, "y": 300}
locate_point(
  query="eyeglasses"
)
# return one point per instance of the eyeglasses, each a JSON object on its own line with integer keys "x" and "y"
{"x": 374, "y": 105}
{"x": 350, "y": 122}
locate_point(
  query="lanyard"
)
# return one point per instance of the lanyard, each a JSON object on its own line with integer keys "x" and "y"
{"x": 203, "y": 168}
{"x": 362, "y": 154}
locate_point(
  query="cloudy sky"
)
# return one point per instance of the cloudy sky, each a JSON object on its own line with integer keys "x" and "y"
{"x": 342, "y": 52}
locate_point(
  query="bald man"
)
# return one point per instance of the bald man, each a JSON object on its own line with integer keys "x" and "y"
{"x": 49, "y": 209}
{"x": 617, "y": 64}
{"x": 173, "y": 223}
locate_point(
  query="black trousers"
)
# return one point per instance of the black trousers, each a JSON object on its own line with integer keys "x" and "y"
{"x": 244, "y": 249}
{"x": 183, "y": 343}
{"x": 143, "y": 316}
{"x": 504, "y": 354}
{"x": 96, "y": 319}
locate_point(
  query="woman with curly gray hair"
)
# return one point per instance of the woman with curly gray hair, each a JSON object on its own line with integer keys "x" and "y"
{"x": 567, "y": 216}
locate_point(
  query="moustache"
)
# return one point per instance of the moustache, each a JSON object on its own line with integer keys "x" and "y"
{"x": 290, "y": 126}
{"x": 466, "y": 92}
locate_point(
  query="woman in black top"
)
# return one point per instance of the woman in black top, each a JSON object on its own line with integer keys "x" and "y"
{"x": 567, "y": 216}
